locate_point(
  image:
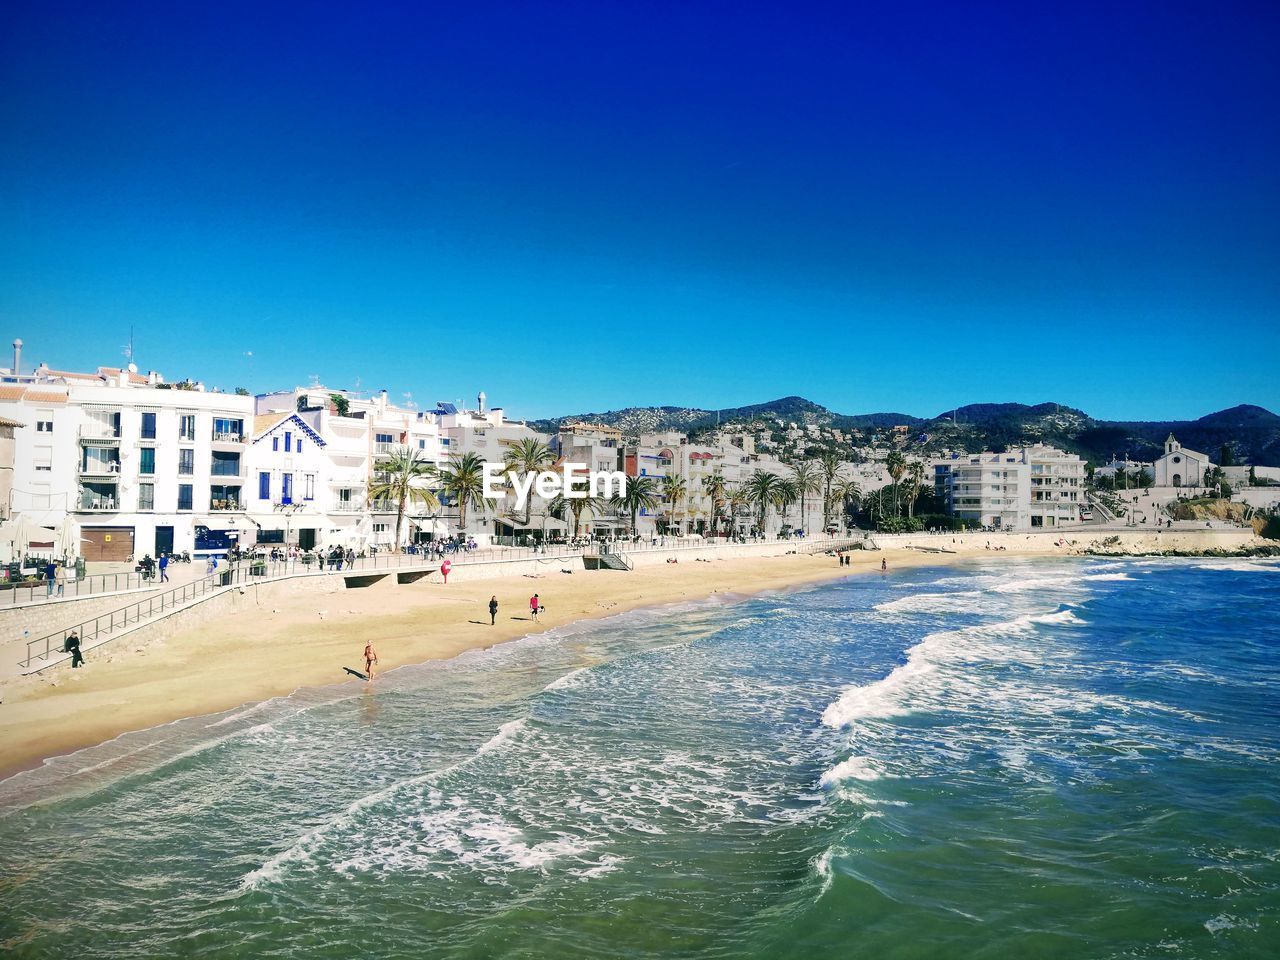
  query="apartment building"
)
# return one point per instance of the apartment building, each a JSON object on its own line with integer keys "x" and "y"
{"x": 1024, "y": 488}
{"x": 141, "y": 465}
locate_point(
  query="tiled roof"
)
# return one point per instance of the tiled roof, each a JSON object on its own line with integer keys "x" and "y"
{"x": 20, "y": 392}
{"x": 265, "y": 421}
{"x": 6, "y": 422}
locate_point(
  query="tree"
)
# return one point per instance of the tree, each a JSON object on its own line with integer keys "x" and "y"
{"x": 641, "y": 493}
{"x": 674, "y": 488}
{"x": 717, "y": 489}
{"x": 576, "y": 507}
{"x": 807, "y": 477}
{"x": 915, "y": 481}
{"x": 340, "y": 404}
{"x": 241, "y": 392}
{"x": 1253, "y": 477}
{"x": 896, "y": 464}
{"x": 398, "y": 479}
{"x": 526, "y": 456}
{"x": 464, "y": 481}
{"x": 830, "y": 467}
{"x": 762, "y": 490}
{"x": 849, "y": 495}
{"x": 1224, "y": 456}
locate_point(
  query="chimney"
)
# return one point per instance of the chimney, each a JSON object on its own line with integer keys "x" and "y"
{"x": 17, "y": 357}
{"x": 480, "y": 401}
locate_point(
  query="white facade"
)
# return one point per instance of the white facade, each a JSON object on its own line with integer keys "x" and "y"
{"x": 1180, "y": 467}
{"x": 142, "y": 467}
{"x": 1022, "y": 489}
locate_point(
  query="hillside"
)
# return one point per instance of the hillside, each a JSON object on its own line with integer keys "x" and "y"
{"x": 1252, "y": 432}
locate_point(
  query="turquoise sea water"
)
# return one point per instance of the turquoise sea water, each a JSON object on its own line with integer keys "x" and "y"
{"x": 1010, "y": 759}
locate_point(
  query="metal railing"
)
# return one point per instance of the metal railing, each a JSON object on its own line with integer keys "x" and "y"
{"x": 249, "y": 571}
{"x": 45, "y": 647}
{"x": 28, "y": 592}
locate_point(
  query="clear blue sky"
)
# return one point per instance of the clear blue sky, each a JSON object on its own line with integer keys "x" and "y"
{"x": 580, "y": 206}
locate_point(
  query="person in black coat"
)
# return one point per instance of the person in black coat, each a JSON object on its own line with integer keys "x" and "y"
{"x": 72, "y": 646}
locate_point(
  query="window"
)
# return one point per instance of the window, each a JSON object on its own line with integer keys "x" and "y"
{"x": 147, "y": 461}
{"x": 264, "y": 485}
{"x": 286, "y": 488}
{"x": 146, "y": 496}
{"x": 186, "y": 426}
{"x": 288, "y": 441}
{"x": 422, "y": 444}
{"x": 148, "y": 426}
{"x": 184, "y": 496}
{"x": 298, "y": 445}
{"x": 44, "y": 426}
{"x": 225, "y": 464}
{"x": 43, "y": 460}
{"x": 186, "y": 462}
{"x": 309, "y": 487}
{"x": 380, "y": 528}
{"x": 226, "y": 429}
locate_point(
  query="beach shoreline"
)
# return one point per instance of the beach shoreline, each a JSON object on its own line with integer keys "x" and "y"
{"x": 305, "y": 641}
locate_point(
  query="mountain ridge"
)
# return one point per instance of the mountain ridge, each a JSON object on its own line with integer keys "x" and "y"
{"x": 1251, "y": 432}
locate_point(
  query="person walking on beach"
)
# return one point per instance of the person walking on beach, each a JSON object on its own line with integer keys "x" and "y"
{"x": 370, "y": 658}
{"x": 535, "y": 606}
{"x": 884, "y": 565}
{"x": 72, "y": 646}
{"x": 493, "y": 610}
{"x": 164, "y": 568}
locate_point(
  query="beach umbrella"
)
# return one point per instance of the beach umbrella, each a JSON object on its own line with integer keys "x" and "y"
{"x": 68, "y": 539}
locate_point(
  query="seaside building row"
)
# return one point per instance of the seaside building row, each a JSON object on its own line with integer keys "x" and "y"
{"x": 146, "y": 466}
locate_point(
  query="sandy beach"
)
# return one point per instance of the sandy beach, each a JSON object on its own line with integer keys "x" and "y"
{"x": 269, "y": 651}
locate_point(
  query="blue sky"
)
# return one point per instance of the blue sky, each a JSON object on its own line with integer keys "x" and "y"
{"x": 580, "y": 206}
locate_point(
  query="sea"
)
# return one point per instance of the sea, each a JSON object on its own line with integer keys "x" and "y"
{"x": 1058, "y": 758}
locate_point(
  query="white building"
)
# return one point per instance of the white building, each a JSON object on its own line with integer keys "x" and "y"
{"x": 142, "y": 466}
{"x": 1024, "y": 488}
{"x": 1180, "y": 467}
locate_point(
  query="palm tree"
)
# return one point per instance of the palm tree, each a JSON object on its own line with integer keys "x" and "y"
{"x": 641, "y": 493}
{"x": 398, "y": 478}
{"x": 829, "y": 464}
{"x": 464, "y": 481}
{"x": 896, "y": 464}
{"x": 785, "y": 495}
{"x": 525, "y": 456}
{"x": 762, "y": 490}
{"x": 848, "y": 493}
{"x": 576, "y": 506}
{"x": 715, "y": 487}
{"x": 737, "y": 498}
{"x": 674, "y": 487}
{"x": 807, "y": 479}
{"x": 915, "y": 481}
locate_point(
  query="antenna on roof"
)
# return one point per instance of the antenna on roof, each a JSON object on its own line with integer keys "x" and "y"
{"x": 128, "y": 347}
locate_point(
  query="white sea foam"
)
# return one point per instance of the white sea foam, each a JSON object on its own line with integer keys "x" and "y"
{"x": 966, "y": 601}
{"x": 854, "y": 768}
{"x": 302, "y": 848}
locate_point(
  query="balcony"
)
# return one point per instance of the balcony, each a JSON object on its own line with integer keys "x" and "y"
{"x": 227, "y": 437}
{"x": 384, "y": 449}
{"x": 96, "y": 503}
{"x": 109, "y": 469}
{"x": 98, "y": 433}
{"x": 234, "y": 469}
{"x": 348, "y": 506}
{"x": 229, "y": 505}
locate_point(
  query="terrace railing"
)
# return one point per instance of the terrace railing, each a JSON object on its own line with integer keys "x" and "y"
{"x": 23, "y": 591}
